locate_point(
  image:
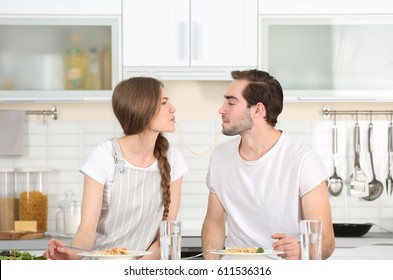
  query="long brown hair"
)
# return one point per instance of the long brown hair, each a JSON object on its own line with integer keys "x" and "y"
{"x": 135, "y": 103}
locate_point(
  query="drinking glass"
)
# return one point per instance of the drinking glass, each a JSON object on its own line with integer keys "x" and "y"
{"x": 311, "y": 239}
{"x": 170, "y": 240}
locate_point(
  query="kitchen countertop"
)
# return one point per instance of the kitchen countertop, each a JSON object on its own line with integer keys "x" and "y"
{"x": 372, "y": 246}
{"x": 377, "y": 246}
{"x": 189, "y": 243}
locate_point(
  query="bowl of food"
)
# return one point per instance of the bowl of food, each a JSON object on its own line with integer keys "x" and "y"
{"x": 351, "y": 230}
{"x": 246, "y": 254}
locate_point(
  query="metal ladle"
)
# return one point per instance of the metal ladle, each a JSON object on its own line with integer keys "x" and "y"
{"x": 375, "y": 187}
{"x": 336, "y": 183}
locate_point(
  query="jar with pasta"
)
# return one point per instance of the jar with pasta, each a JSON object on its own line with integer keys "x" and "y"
{"x": 9, "y": 202}
{"x": 32, "y": 187}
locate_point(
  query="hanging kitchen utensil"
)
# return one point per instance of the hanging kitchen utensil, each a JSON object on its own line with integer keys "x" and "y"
{"x": 389, "y": 179}
{"x": 359, "y": 181}
{"x": 336, "y": 183}
{"x": 375, "y": 187}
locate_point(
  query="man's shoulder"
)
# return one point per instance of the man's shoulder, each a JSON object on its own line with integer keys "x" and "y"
{"x": 294, "y": 144}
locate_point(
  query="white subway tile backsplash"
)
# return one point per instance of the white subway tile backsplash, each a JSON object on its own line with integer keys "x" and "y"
{"x": 63, "y": 146}
{"x": 64, "y": 128}
{"x": 89, "y": 128}
{"x": 194, "y": 188}
{"x": 37, "y": 140}
{"x": 194, "y": 200}
{"x": 30, "y": 162}
{"x": 63, "y": 152}
{"x": 66, "y": 140}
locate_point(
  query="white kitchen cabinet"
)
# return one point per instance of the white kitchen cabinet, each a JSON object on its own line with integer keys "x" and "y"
{"x": 60, "y": 7}
{"x": 324, "y": 7}
{"x": 35, "y": 57}
{"x": 329, "y": 57}
{"x": 198, "y": 35}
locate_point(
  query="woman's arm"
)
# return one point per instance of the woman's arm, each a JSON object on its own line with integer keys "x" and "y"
{"x": 85, "y": 236}
{"x": 91, "y": 209}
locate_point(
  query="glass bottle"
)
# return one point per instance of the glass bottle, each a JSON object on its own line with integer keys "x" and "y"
{"x": 75, "y": 66}
{"x": 8, "y": 200}
{"x": 69, "y": 216}
{"x": 93, "y": 77}
{"x": 106, "y": 69}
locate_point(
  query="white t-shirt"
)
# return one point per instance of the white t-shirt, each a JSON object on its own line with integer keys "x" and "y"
{"x": 262, "y": 197}
{"x": 100, "y": 166}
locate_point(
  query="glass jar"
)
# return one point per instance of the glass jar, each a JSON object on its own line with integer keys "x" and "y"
{"x": 69, "y": 216}
{"x": 32, "y": 184}
{"x": 9, "y": 202}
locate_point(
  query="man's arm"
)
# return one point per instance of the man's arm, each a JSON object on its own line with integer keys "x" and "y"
{"x": 213, "y": 230}
{"x": 315, "y": 206}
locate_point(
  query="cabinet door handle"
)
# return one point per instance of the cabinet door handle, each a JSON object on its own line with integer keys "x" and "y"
{"x": 182, "y": 49}
{"x": 195, "y": 41}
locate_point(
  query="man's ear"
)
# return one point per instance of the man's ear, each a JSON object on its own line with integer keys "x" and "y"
{"x": 259, "y": 110}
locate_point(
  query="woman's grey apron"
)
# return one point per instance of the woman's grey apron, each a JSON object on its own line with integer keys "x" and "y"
{"x": 135, "y": 210}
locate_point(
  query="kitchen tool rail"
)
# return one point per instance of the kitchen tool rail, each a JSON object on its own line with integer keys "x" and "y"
{"x": 53, "y": 112}
{"x": 327, "y": 112}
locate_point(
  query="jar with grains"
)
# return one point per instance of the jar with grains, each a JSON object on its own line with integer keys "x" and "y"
{"x": 32, "y": 184}
{"x": 9, "y": 202}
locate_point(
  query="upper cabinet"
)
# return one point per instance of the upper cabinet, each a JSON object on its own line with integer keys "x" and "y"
{"x": 324, "y": 7}
{"x": 189, "y": 39}
{"x": 328, "y": 55}
{"x": 59, "y": 50}
{"x": 64, "y": 58}
{"x": 60, "y": 7}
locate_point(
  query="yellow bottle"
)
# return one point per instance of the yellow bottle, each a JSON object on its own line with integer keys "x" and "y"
{"x": 75, "y": 66}
{"x": 106, "y": 69}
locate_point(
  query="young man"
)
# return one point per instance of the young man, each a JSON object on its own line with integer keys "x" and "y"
{"x": 263, "y": 182}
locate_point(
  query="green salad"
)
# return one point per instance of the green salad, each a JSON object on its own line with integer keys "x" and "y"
{"x": 18, "y": 255}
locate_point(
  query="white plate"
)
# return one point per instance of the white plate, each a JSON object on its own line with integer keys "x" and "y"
{"x": 267, "y": 255}
{"x": 99, "y": 255}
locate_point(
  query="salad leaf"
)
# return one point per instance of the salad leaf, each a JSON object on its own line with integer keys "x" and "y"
{"x": 260, "y": 250}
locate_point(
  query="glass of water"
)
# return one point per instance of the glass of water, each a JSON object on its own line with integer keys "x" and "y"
{"x": 311, "y": 239}
{"x": 170, "y": 240}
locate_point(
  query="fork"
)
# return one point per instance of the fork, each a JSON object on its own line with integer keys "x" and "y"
{"x": 78, "y": 249}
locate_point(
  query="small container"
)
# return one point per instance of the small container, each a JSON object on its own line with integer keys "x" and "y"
{"x": 9, "y": 202}
{"x": 69, "y": 216}
{"x": 32, "y": 185}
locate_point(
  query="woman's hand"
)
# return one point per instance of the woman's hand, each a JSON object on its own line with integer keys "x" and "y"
{"x": 155, "y": 249}
{"x": 57, "y": 251}
{"x": 288, "y": 244}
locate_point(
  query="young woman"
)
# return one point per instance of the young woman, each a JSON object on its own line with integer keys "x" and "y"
{"x": 133, "y": 182}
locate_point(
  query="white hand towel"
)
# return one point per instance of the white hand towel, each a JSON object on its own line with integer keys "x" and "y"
{"x": 12, "y": 132}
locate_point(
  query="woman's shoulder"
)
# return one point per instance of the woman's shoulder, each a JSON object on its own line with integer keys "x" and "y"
{"x": 173, "y": 153}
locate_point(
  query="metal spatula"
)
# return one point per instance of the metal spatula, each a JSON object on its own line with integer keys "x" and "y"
{"x": 359, "y": 181}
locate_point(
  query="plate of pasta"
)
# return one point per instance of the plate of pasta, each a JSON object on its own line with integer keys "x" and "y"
{"x": 115, "y": 254}
{"x": 247, "y": 254}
